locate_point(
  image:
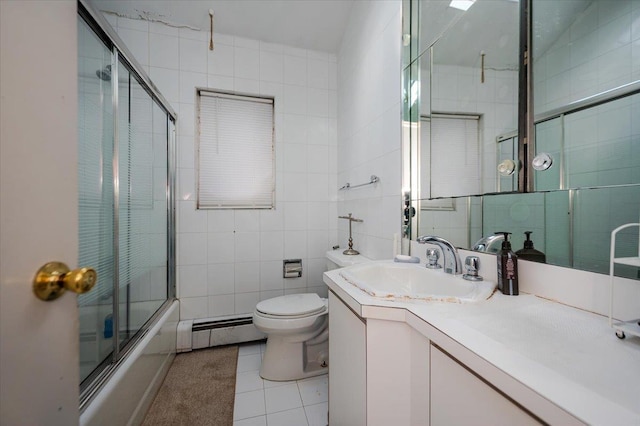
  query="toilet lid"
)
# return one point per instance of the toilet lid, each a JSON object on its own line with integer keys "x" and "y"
{"x": 292, "y": 305}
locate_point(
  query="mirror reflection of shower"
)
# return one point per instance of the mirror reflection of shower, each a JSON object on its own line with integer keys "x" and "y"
{"x": 104, "y": 73}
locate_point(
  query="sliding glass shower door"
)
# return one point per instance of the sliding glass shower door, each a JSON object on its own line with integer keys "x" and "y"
{"x": 124, "y": 203}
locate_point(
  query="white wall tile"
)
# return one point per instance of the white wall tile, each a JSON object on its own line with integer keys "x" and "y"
{"x": 164, "y": 51}
{"x": 186, "y": 156}
{"x": 247, "y": 247}
{"x": 272, "y": 220}
{"x": 314, "y": 268}
{"x": 271, "y": 275}
{"x": 369, "y": 82}
{"x": 220, "y": 278}
{"x": 247, "y": 277}
{"x": 318, "y": 159}
{"x": 247, "y": 63}
{"x": 220, "y": 305}
{"x": 192, "y": 249}
{"x": 295, "y": 244}
{"x": 219, "y": 82}
{"x": 247, "y": 220}
{"x": 137, "y": 42}
{"x": 220, "y": 247}
{"x": 271, "y": 245}
{"x": 186, "y": 184}
{"x": 295, "y": 157}
{"x": 318, "y": 187}
{"x": 295, "y": 187}
{"x": 168, "y": 82}
{"x": 193, "y": 308}
{"x": 318, "y": 73}
{"x": 318, "y": 102}
{"x": 245, "y": 303}
{"x": 295, "y": 128}
{"x": 295, "y": 215}
{"x": 245, "y": 85}
{"x": 221, "y": 60}
{"x": 317, "y": 216}
{"x": 271, "y": 66}
{"x": 190, "y": 219}
{"x": 295, "y": 99}
{"x": 192, "y": 280}
{"x": 318, "y": 131}
{"x": 214, "y": 240}
{"x": 221, "y": 220}
{"x": 317, "y": 243}
{"x": 188, "y": 83}
{"x": 193, "y": 55}
{"x": 295, "y": 70}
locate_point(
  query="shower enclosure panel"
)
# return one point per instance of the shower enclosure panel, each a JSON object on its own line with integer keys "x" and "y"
{"x": 95, "y": 196}
{"x": 125, "y": 156}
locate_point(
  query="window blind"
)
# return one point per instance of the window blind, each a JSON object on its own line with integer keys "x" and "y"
{"x": 235, "y": 151}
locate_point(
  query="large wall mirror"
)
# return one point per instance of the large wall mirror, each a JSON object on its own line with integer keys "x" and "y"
{"x": 464, "y": 153}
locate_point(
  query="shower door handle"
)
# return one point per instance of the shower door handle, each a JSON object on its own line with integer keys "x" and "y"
{"x": 54, "y": 278}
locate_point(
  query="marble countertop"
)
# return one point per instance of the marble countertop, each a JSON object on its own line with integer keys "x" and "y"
{"x": 568, "y": 356}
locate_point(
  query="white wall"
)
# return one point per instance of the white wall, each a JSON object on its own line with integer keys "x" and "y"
{"x": 369, "y": 118}
{"x": 229, "y": 260}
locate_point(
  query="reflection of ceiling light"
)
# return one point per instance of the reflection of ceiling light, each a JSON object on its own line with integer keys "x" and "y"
{"x": 461, "y": 4}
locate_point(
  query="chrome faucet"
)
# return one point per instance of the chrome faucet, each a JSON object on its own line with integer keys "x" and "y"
{"x": 452, "y": 264}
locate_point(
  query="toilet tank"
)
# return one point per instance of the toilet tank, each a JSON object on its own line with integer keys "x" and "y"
{"x": 336, "y": 259}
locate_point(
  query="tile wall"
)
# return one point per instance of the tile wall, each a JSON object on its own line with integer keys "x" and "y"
{"x": 229, "y": 260}
{"x": 599, "y": 51}
{"x": 369, "y": 134}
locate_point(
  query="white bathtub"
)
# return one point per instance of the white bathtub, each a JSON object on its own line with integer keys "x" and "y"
{"x": 128, "y": 393}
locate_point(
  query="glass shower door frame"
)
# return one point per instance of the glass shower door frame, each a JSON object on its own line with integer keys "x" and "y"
{"x": 120, "y": 55}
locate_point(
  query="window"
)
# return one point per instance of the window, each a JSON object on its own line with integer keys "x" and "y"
{"x": 235, "y": 151}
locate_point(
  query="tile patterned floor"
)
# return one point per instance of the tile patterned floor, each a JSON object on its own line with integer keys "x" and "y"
{"x": 262, "y": 402}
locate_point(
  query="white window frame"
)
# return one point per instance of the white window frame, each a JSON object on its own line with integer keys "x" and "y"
{"x": 219, "y": 187}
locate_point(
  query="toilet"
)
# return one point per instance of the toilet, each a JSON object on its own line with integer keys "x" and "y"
{"x": 297, "y": 329}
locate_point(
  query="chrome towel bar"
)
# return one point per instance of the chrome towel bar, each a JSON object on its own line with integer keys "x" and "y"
{"x": 374, "y": 179}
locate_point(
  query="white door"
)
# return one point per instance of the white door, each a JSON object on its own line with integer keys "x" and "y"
{"x": 38, "y": 210}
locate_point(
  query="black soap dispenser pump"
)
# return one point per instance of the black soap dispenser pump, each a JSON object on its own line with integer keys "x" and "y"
{"x": 530, "y": 253}
{"x": 507, "y": 268}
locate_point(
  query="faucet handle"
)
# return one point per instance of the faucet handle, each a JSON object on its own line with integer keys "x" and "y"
{"x": 473, "y": 264}
{"x": 433, "y": 254}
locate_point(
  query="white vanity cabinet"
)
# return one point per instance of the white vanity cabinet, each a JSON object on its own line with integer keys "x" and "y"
{"x": 347, "y": 365}
{"x": 459, "y": 397}
{"x": 379, "y": 370}
{"x": 388, "y": 368}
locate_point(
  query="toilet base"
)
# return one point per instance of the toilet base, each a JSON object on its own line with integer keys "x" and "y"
{"x": 285, "y": 360}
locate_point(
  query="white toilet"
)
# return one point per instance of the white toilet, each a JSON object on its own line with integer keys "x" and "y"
{"x": 297, "y": 330}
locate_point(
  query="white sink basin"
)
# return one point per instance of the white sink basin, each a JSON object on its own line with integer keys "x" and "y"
{"x": 398, "y": 281}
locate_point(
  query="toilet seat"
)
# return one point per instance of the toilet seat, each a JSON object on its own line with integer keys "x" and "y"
{"x": 292, "y": 306}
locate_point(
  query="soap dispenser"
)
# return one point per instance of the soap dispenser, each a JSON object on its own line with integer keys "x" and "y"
{"x": 530, "y": 253}
{"x": 507, "y": 267}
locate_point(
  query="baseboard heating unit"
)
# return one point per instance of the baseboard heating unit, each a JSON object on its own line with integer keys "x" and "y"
{"x": 207, "y": 332}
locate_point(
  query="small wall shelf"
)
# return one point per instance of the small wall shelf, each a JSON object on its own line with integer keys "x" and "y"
{"x": 622, "y": 327}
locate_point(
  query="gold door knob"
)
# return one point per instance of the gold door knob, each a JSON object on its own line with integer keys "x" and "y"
{"x": 54, "y": 278}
